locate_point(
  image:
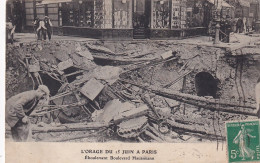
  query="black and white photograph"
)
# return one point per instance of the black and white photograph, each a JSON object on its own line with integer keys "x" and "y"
{"x": 130, "y": 71}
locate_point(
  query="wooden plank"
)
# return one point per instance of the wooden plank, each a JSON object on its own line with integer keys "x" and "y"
{"x": 70, "y": 127}
{"x": 211, "y": 104}
{"x": 129, "y": 114}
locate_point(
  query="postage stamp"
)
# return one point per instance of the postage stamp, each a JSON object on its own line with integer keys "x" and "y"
{"x": 243, "y": 141}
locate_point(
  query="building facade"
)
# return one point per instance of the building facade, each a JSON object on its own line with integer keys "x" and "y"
{"x": 124, "y": 19}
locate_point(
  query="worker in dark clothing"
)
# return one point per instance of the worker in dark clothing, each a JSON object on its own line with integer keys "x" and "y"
{"x": 48, "y": 25}
{"x": 19, "y": 107}
{"x": 10, "y": 30}
{"x": 228, "y": 29}
{"x": 225, "y": 29}
{"x": 222, "y": 30}
{"x": 253, "y": 24}
{"x": 240, "y": 25}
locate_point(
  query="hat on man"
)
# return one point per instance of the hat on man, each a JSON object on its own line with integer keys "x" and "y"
{"x": 45, "y": 89}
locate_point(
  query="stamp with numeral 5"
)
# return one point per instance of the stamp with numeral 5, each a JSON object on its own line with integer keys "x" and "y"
{"x": 243, "y": 141}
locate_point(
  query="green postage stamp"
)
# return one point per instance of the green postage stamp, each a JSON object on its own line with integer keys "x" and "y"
{"x": 243, "y": 141}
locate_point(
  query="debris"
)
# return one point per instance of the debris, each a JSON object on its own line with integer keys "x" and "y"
{"x": 78, "y": 136}
{"x": 140, "y": 139}
{"x": 178, "y": 79}
{"x": 100, "y": 49}
{"x": 148, "y": 133}
{"x": 92, "y": 88}
{"x": 156, "y": 132}
{"x": 131, "y": 112}
{"x": 117, "y": 106}
{"x": 147, "y": 100}
{"x": 122, "y": 60}
{"x": 172, "y": 103}
{"x": 132, "y": 127}
{"x": 193, "y": 128}
{"x": 74, "y": 73}
{"x": 136, "y": 89}
{"x": 211, "y": 104}
{"x": 34, "y": 68}
{"x": 111, "y": 109}
{"x": 97, "y": 114}
{"x": 108, "y": 73}
{"x": 86, "y": 54}
{"x": 65, "y": 64}
{"x": 163, "y": 112}
{"x": 164, "y": 127}
{"x": 166, "y": 55}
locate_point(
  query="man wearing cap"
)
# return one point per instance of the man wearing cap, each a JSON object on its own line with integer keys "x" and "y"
{"x": 19, "y": 107}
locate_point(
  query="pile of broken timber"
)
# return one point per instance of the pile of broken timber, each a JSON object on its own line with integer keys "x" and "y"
{"x": 211, "y": 104}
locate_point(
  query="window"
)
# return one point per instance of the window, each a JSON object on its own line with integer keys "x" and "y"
{"x": 178, "y": 13}
{"x": 67, "y": 14}
{"x": 195, "y": 13}
{"x": 122, "y": 14}
{"x": 161, "y": 14}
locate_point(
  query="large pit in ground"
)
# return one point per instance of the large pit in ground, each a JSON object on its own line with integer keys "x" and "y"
{"x": 198, "y": 70}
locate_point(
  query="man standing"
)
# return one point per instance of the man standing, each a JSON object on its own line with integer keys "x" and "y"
{"x": 48, "y": 25}
{"x": 239, "y": 25}
{"x": 228, "y": 29}
{"x": 39, "y": 26}
{"x": 10, "y": 29}
{"x": 19, "y": 107}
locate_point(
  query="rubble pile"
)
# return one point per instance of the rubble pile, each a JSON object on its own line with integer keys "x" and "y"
{"x": 135, "y": 91}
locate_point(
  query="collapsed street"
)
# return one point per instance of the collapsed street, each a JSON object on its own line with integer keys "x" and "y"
{"x": 134, "y": 91}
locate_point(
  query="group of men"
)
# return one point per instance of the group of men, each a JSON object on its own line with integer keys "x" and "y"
{"x": 43, "y": 27}
{"x": 228, "y": 25}
{"x": 243, "y": 25}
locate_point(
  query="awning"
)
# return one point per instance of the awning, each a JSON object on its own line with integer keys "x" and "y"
{"x": 45, "y": 2}
{"x": 244, "y": 3}
{"x": 222, "y": 2}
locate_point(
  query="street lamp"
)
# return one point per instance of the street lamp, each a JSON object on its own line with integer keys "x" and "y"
{"x": 217, "y": 20}
{"x": 257, "y": 24}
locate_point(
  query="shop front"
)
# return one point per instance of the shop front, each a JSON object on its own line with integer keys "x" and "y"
{"x": 127, "y": 19}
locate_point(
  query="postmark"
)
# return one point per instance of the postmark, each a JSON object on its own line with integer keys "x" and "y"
{"x": 243, "y": 141}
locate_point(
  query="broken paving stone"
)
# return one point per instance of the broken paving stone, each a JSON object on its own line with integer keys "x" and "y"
{"x": 78, "y": 48}
{"x": 61, "y": 55}
{"x": 34, "y": 68}
{"x": 65, "y": 64}
{"x": 166, "y": 55}
{"x": 77, "y": 60}
{"x": 100, "y": 49}
{"x": 86, "y": 54}
{"x": 88, "y": 64}
{"x": 172, "y": 103}
{"x": 108, "y": 73}
{"x": 95, "y": 116}
{"x": 39, "y": 48}
{"x": 92, "y": 88}
{"x": 111, "y": 109}
{"x": 163, "y": 112}
{"x": 130, "y": 111}
{"x": 135, "y": 88}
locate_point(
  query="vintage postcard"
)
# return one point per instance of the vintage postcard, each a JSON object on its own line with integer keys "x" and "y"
{"x": 132, "y": 80}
